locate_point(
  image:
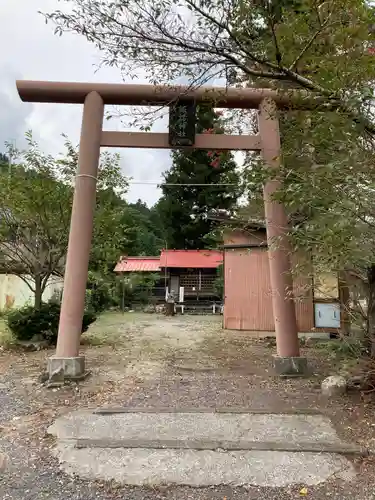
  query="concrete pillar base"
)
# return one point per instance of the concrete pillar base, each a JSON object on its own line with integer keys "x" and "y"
{"x": 290, "y": 367}
{"x": 61, "y": 370}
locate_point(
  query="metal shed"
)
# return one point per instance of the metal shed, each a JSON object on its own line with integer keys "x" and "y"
{"x": 248, "y": 296}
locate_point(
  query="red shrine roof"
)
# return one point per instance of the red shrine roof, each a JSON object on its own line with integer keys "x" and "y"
{"x": 134, "y": 264}
{"x": 198, "y": 259}
{"x": 201, "y": 259}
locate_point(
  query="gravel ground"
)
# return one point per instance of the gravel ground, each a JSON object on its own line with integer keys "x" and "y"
{"x": 180, "y": 362}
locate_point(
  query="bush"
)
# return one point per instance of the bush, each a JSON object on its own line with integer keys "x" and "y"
{"x": 99, "y": 293}
{"x": 136, "y": 289}
{"x": 28, "y": 322}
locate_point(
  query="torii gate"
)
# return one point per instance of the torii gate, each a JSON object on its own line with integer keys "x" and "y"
{"x": 67, "y": 361}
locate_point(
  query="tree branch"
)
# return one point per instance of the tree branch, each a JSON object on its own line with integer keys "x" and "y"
{"x": 25, "y": 280}
{"x": 139, "y": 33}
{"x": 310, "y": 42}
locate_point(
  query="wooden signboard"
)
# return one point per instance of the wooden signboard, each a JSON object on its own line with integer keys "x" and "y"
{"x": 182, "y": 124}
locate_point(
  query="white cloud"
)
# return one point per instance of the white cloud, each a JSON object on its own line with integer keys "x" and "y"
{"x": 31, "y": 51}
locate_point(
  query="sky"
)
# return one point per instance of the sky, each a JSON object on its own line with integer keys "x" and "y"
{"x": 31, "y": 51}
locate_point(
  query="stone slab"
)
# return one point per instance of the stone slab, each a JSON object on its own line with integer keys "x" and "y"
{"x": 202, "y": 468}
{"x": 290, "y": 367}
{"x": 73, "y": 367}
{"x": 232, "y": 428}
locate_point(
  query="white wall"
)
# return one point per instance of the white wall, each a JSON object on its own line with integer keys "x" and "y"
{"x": 14, "y": 292}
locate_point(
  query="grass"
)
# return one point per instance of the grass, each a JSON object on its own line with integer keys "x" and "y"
{"x": 343, "y": 348}
{"x": 109, "y": 329}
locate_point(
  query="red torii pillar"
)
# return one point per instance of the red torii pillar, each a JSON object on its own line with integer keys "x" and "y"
{"x": 67, "y": 361}
{"x": 288, "y": 360}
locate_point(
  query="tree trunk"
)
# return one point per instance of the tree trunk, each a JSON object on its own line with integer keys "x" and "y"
{"x": 344, "y": 296}
{"x": 38, "y": 292}
{"x": 370, "y": 341}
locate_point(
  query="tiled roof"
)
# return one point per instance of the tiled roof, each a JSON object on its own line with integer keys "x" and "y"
{"x": 200, "y": 259}
{"x": 134, "y": 264}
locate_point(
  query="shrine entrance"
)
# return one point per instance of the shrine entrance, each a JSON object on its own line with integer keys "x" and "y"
{"x": 181, "y": 102}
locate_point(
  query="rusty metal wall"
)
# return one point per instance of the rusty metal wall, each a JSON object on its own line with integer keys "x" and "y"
{"x": 238, "y": 236}
{"x": 248, "y": 300}
{"x": 248, "y": 304}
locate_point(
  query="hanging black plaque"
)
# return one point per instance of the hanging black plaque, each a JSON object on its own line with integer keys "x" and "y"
{"x": 182, "y": 124}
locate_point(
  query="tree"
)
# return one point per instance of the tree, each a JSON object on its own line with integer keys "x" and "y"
{"x": 147, "y": 236}
{"x": 144, "y": 237}
{"x": 36, "y": 198}
{"x": 110, "y": 230}
{"x": 4, "y": 160}
{"x": 5, "y": 163}
{"x": 333, "y": 179}
{"x": 318, "y": 45}
{"x": 34, "y": 224}
{"x": 328, "y": 183}
{"x": 198, "y": 182}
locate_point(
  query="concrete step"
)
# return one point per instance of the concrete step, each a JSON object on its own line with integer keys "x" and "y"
{"x": 202, "y": 449}
{"x": 147, "y": 467}
{"x": 202, "y": 431}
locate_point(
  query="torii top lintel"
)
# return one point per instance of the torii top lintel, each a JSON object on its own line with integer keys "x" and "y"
{"x": 139, "y": 95}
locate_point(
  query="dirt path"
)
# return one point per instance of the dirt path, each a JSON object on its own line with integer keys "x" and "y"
{"x": 145, "y": 360}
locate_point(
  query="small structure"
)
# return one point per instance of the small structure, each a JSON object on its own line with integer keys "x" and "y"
{"x": 194, "y": 271}
{"x": 248, "y": 288}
